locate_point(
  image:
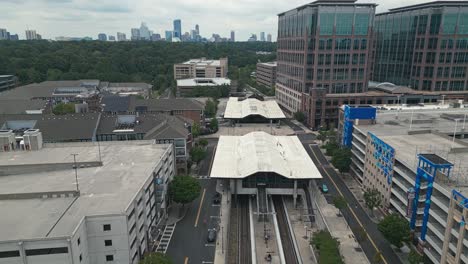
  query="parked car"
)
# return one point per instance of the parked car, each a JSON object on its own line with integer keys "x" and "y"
{"x": 324, "y": 188}
{"x": 211, "y": 235}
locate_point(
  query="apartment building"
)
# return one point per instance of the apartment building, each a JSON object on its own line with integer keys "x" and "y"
{"x": 423, "y": 46}
{"x": 105, "y": 211}
{"x": 201, "y": 68}
{"x": 412, "y": 158}
{"x": 266, "y": 73}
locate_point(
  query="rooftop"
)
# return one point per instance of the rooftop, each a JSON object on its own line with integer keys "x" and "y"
{"x": 426, "y": 5}
{"x": 203, "y": 82}
{"x": 106, "y": 189}
{"x": 203, "y": 62}
{"x": 269, "y": 64}
{"x": 241, "y": 156}
{"x": 51, "y": 89}
{"x": 237, "y": 109}
{"x": 21, "y": 106}
{"x": 329, "y": 2}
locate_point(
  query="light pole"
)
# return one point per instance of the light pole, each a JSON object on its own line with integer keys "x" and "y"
{"x": 411, "y": 120}
{"x": 464, "y": 121}
{"x": 76, "y": 171}
{"x": 455, "y": 132}
{"x": 443, "y": 99}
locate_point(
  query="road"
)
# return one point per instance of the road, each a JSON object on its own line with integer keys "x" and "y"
{"x": 354, "y": 213}
{"x": 189, "y": 241}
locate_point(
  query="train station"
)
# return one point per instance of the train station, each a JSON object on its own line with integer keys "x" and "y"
{"x": 253, "y": 110}
{"x": 267, "y": 176}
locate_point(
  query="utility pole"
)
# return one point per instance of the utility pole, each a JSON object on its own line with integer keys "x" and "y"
{"x": 76, "y": 171}
{"x": 455, "y": 132}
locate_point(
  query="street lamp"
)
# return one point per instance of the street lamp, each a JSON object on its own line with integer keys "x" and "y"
{"x": 443, "y": 99}
{"x": 455, "y": 131}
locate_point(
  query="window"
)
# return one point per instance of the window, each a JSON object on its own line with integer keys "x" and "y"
{"x": 106, "y": 227}
{"x": 109, "y": 257}
{"x": 46, "y": 251}
{"x": 108, "y": 242}
{"x": 81, "y": 258}
{"x": 9, "y": 254}
{"x": 78, "y": 241}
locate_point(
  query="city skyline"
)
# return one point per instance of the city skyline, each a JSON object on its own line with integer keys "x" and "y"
{"x": 73, "y": 18}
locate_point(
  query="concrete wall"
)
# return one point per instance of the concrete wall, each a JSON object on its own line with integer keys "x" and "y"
{"x": 34, "y": 168}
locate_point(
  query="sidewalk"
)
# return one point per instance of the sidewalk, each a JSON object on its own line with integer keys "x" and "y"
{"x": 225, "y": 210}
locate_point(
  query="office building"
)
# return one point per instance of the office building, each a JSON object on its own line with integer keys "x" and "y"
{"x": 4, "y": 35}
{"x": 197, "y": 28}
{"x": 102, "y": 37}
{"x": 135, "y": 34}
{"x": 201, "y": 68}
{"x": 423, "y": 46}
{"x": 233, "y": 36}
{"x": 253, "y": 37}
{"x": 32, "y": 35}
{"x": 106, "y": 210}
{"x": 14, "y": 37}
{"x": 8, "y": 82}
{"x": 177, "y": 29}
{"x": 145, "y": 33}
{"x": 156, "y": 37}
{"x": 335, "y": 59}
{"x": 262, "y": 36}
{"x": 414, "y": 160}
{"x": 266, "y": 73}
{"x": 168, "y": 35}
{"x": 269, "y": 37}
{"x": 111, "y": 38}
{"x": 121, "y": 36}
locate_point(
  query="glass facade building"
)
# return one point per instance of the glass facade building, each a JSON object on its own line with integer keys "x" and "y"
{"x": 324, "y": 47}
{"x": 177, "y": 28}
{"x": 423, "y": 46}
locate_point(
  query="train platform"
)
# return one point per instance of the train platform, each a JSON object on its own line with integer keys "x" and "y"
{"x": 265, "y": 238}
{"x": 222, "y": 239}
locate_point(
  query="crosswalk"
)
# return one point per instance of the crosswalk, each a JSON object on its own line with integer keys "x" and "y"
{"x": 166, "y": 238}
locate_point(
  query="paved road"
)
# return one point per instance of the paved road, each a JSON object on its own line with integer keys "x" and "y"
{"x": 354, "y": 214}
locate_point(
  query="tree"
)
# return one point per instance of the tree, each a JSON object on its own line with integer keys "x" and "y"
{"x": 211, "y": 106}
{"x": 340, "y": 202}
{"x": 184, "y": 189}
{"x": 156, "y": 258}
{"x": 62, "y": 109}
{"x": 300, "y": 116}
{"x": 328, "y": 248}
{"x": 395, "y": 229}
{"x": 373, "y": 199}
{"x": 197, "y": 154}
{"x": 196, "y": 130}
{"x": 322, "y": 135}
{"x": 214, "y": 124}
{"x": 414, "y": 257}
{"x": 203, "y": 142}
{"x": 341, "y": 159}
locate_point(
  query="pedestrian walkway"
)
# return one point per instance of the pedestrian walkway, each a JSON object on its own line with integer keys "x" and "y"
{"x": 166, "y": 238}
{"x": 222, "y": 239}
{"x": 265, "y": 236}
{"x": 339, "y": 228}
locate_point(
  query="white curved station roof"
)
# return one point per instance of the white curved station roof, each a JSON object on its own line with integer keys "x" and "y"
{"x": 241, "y": 156}
{"x": 236, "y": 109}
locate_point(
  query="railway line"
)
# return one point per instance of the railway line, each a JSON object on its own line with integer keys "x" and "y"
{"x": 290, "y": 254}
{"x": 239, "y": 249}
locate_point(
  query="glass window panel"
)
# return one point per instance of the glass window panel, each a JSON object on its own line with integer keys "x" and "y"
{"x": 344, "y": 24}
{"x": 327, "y": 22}
{"x": 361, "y": 24}
{"x": 449, "y": 23}
{"x": 463, "y": 24}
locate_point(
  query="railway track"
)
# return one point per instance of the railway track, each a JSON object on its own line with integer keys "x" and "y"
{"x": 239, "y": 249}
{"x": 289, "y": 251}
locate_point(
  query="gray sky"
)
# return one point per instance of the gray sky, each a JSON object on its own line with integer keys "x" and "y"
{"x": 78, "y": 18}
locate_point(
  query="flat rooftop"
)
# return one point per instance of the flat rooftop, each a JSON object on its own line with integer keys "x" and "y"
{"x": 238, "y": 157}
{"x": 237, "y": 108}
{"x": 106, "y": 189}
{"x": 269, "y": 64}
{"x": 408, "y": 143}
{"x": 203, "y": 82}
{"x": 203, "y": 62}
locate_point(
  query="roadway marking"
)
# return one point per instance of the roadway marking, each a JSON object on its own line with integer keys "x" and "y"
{"x": 186, "y": 260}
{"x": 350, "y": 208}
{"x": 200, "y": 207}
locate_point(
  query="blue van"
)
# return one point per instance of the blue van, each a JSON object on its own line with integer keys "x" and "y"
{"x": 324, "y": 188}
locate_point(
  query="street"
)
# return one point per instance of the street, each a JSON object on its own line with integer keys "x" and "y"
{"x": 354, "y": 213}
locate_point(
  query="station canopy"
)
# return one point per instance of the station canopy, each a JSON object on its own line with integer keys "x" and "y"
{"x": 238, "y": 157}
{"x": 238, "y": 109}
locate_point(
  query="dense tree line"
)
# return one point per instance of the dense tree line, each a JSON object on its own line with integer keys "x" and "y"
{"x": 151, "y": 62}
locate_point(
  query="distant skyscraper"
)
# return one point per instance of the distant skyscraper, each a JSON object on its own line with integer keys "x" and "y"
{"x": 14, "y": 37}
{"x": 193, "y": 34}
{"x": 262, "y": 36}
{"x": 177, "y": 28}
{"x": 3, "y": 34}
{"x": 145, "y": 32}
{"x": 168, "y": 35}
{"x": 253, "y": 37}
{"x": 197, "y": 28}
{"x": 121, "y": 36}
{"x": 102, "y": 37}
{"x": 111, "y": 38}
{"x": 32, "y": 35}
{"x": 269, "y": 37}
{"x": 135, "y": 34}
{"x": 233, "y": 36}
{"x": 155, "y": 37}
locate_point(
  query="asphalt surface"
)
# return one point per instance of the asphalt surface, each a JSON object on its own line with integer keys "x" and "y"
{"x": 189, "y": 242}
{"x": 354, "y": 211}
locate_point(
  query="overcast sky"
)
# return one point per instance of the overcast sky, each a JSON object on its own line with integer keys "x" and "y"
{"x": 79, "y": 18}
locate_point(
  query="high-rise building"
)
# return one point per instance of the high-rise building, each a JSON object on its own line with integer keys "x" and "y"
{"x": 102, "y": 37}
{"x": 145, "y": 33}
{"x": 4, "y": 34}
{"x": 269, "y": 37}
{"x": 135, "y": 34}
{"x": 253, "y": 37}
{"x": 32, "y": 35}
{"x": 111, "y": 38}
{"x": 197, "y": 28}
{"x": 156, "y": 37}
{"x": 168, "y": 35}
{"x": 14, "y": 37}
{"x": 177, "y": 28}
{"x": 328, "y": 52}
{"x": 201, "y": 68}
{"x": 423, "y": 46}
{"x": 262, "y": 36}
{"x": 121, "y": 36}
{"x": 233, "y": 36}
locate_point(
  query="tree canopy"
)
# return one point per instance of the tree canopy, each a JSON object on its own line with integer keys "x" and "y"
{"x": 341, "y": 159}
{"x": 156, "y": 258}
{"x": 197, "y": 154}
{"x": 395, "y": 229}
{"x": 373, "y": 198}
{"x": 340, "y": 202}
{"x": 184, "y": 189}
{"x": 62, "y": 109}
{"x": 328, "y": 248}
{"x": 126, "y": 61}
